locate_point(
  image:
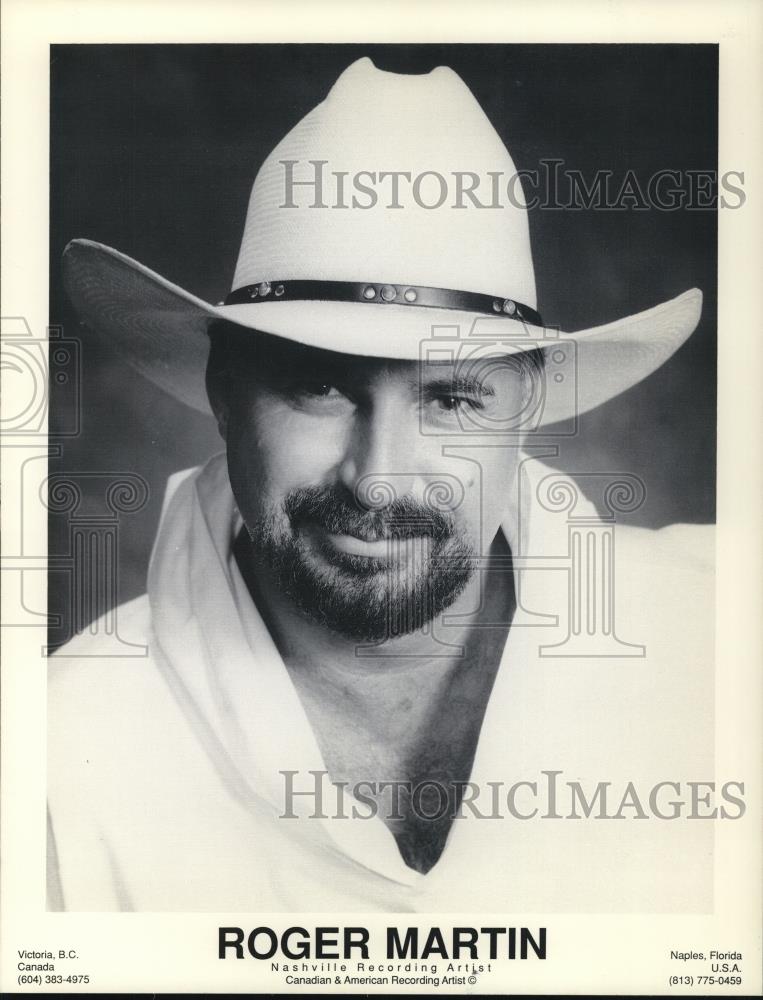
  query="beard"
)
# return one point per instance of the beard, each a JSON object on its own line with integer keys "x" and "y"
{"x": 427, "y": 564}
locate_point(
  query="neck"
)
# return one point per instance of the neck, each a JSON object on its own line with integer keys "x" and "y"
{"x": 411, "y": 714}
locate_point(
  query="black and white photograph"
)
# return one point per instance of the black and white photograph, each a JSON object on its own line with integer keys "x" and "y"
{"x": 378, "y": 458}
{"x": 414, "y": 620}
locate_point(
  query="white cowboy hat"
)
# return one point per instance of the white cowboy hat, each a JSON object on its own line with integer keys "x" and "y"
{"x": 323, "y": 265}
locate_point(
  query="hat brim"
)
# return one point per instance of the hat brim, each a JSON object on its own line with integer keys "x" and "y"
{"x": 161, "y": 331}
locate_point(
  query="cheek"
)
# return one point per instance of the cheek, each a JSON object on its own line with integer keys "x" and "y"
{"x": 489, "y": 485}
{"x": 272, "y": 450}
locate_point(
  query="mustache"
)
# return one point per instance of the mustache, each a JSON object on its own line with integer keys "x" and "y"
{"x": 335, "y": 511}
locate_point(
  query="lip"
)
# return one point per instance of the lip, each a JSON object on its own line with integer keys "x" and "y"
{"x": 382, "y": 548}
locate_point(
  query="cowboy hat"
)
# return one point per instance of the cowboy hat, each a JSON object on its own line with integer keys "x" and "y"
{"x": 365, "y": 235}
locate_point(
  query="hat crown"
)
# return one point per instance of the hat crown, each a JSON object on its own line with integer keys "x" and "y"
{"x": 373, "y": 185}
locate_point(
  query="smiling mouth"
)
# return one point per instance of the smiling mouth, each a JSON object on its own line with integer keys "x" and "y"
{"x": 379, "y": 552}
{"x": 372, "y": 548}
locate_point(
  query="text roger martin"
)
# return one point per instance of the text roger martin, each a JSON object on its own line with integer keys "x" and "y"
{"x": 401, "y": 942}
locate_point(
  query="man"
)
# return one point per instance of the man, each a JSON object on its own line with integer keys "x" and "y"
{"x": 377, "y": 581}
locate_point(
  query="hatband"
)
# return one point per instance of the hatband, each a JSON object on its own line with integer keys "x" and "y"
{"x": 384, "y": 292}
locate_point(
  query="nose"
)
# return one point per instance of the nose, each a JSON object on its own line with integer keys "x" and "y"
{"x": 379, "y": 461}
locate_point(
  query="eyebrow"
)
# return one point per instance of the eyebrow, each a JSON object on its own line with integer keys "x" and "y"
{"x": 466, "y": 385}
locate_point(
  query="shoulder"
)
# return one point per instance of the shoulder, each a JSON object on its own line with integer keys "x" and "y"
{"x": 103, "y": 670}
{"x": 683, "y": 548}
{"x": 113, "y": 718}
{"x": 133, "y": 618}
{"x": 665, "y": 587}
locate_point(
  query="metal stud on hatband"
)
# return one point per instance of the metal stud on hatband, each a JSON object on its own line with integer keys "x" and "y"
{"x": 410, "y": 295}
{"x": 369, "y": 292}
{"x": 264, "y": 287}
{"x": 253, "y": 292}
{"x": 388, "y": 293}
{"x": 497, "y": 306}
{"x": 509, "y": 307}
{"x": 279, "y": 291}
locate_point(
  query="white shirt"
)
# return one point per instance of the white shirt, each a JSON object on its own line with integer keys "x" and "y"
{"x": 165, "y": 783}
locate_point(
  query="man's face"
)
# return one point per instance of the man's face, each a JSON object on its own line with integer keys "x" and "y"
{"x": 364, "y": 497}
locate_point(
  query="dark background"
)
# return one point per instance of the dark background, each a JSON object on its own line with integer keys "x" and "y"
{"x": 154, "y": 149}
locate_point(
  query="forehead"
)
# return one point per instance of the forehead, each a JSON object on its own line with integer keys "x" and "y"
{"x": 260, "y": 356}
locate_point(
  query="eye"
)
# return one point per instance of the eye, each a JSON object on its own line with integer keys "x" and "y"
{"x": 315, "y": 388}
{"x": 451, "y": 403}
{"x": 325, "y": 389}
{"x": 318, "y": 396}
